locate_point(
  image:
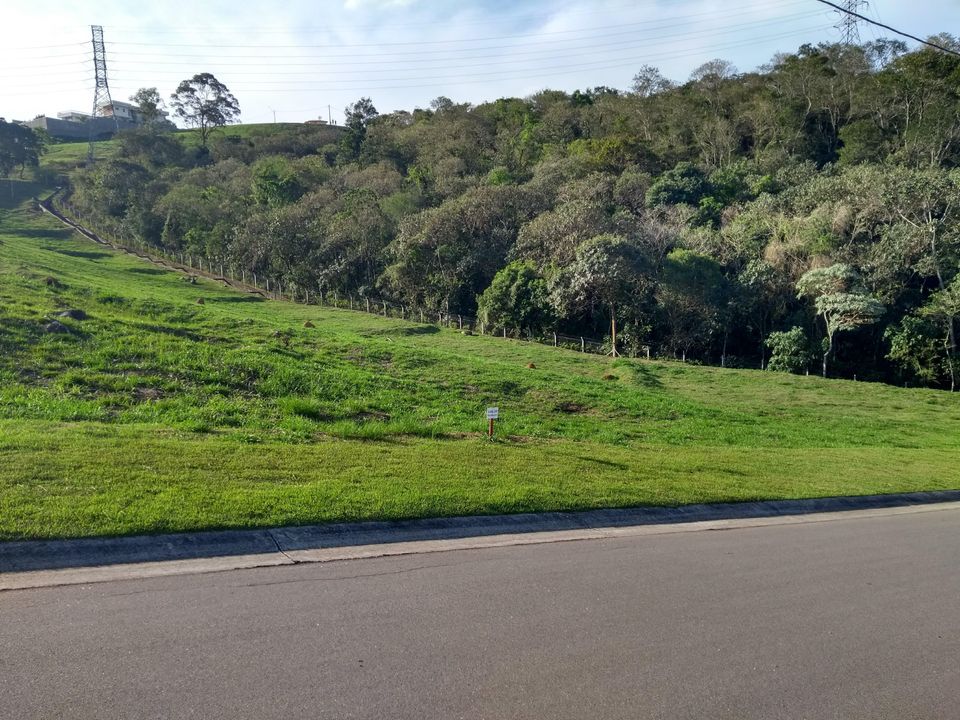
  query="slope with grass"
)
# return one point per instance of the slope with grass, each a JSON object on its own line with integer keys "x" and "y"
{"x": 157, "y": 413}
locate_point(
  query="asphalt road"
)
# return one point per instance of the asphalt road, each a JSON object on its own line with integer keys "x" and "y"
{"x": 842, "y": 619}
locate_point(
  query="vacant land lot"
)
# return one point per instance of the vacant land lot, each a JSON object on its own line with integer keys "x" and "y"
{"x": 156, "y": 413}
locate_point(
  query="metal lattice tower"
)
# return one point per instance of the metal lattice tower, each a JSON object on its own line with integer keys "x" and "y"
{"x": 101, "y": 91}
{"x": 849, "y": 25}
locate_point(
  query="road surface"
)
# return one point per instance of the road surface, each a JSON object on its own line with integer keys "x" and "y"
{"x": 842, "y": 619}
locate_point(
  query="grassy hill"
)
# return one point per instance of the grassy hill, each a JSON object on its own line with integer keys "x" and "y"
{"x": 157, "y": 413}
{"x": 66, "y": 156}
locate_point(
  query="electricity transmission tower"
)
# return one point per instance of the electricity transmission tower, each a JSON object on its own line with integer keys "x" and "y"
{"x": 101, "y": 90}
{"x": 849, "y": 25}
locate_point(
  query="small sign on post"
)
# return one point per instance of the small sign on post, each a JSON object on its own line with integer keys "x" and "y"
{"x": 492, "y": 414}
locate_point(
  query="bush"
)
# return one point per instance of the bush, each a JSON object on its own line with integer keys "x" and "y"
{"x": 789, "y": 351}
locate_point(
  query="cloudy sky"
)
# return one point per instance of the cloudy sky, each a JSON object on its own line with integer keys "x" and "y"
{"x": 293, "y": 60}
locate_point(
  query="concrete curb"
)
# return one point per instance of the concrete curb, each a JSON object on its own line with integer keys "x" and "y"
{"x": 26, "y": 564}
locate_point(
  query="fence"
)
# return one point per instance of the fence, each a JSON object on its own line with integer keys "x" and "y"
{"x": 118, "y": 237}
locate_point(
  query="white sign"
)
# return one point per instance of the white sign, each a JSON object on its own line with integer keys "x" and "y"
{"x": 493, "y": 413}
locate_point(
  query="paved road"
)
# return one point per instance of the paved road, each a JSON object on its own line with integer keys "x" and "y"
{"x": 844, "y": 619}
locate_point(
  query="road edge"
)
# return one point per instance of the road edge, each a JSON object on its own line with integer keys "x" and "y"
{"x": 35, "y": 564}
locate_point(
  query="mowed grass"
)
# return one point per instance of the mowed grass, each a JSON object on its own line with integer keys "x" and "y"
{"x": 157, "y": 413}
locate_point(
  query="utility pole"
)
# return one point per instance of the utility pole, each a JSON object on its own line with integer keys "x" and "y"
{"x": 101, "y": 90}
{"x": 274, "y": 114}
{"x": 849, "y": 25}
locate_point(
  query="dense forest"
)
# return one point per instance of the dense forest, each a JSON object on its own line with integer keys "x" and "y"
{"x": 804, "y": 217}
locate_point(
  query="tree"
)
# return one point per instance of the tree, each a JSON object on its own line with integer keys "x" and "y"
{"x": 149, "y": 105}
{"x": 19, "y": 147}
{"x": 518, "y": 297}
{"x": 358, "y": 116}
{"x": 205, "y": 103}
{"x": 694, "y": 300}
{"x": 944, "y": 307}
{"x": 917, "y": 348}
{"x": 275, "y": 182}
{"x": 839, "y": 300}
{"x": 608, "y": 272}
{"x": 649, "y": 81}
{"x": 789, "y": 351}
{"x": 685, "y": 183}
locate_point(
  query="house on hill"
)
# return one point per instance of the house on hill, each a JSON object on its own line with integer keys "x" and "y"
{"x": 73, "y": 125}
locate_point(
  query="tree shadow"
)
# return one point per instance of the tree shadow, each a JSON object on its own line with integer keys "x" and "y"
{"x": 149, "y": 271}
{"x": 238, "y": 299}
{"x": 85, "y": 254}
{"x": 644, "y": 376}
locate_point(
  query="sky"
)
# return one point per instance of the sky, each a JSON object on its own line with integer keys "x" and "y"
{"x": 303, "y": 59}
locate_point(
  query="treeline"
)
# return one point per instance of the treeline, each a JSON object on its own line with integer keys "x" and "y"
{"x": 803, "y": 217}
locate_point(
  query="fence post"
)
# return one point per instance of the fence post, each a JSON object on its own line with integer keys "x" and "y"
{"x": 459, "y": 322}
{"x": 268, "y": 284}
{"x": 583, "y": 345}
{"x": 554, "y": 339}
{"x": 421, "y": 314}
{"x": 384, "y": 309}
{"x": 482, "y": 328}
{"x": 504, "y": 331}
{"x": 368, "y": 304}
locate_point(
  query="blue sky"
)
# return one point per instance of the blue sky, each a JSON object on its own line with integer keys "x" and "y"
{"x": 292, "y": 60}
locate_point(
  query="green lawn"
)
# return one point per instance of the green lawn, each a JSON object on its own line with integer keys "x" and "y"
{"x": 65, "y": 156}
{"x": 158, "y": 413}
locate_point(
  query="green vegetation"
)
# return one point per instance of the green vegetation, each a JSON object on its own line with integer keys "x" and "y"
{"x": 680, "y": 218}
{"x": 156, "y": 413}
{"x": 807, "y": 212}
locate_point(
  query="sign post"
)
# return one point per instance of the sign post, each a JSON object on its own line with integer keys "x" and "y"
{"x": 492, "y": 414}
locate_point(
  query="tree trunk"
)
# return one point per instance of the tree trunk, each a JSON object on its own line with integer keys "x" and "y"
{"x": 826, "y": 355}
{"x": 613, "y": 331}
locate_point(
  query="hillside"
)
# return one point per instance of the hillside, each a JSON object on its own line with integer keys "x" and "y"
{"x": 156, "y": 413}
{"x": 64, "y": 157}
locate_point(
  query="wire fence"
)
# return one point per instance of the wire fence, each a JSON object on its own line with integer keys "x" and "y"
{"x": 116, "y": 236}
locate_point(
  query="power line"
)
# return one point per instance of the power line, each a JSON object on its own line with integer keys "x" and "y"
{"x": 650, "y": 26}
{"x": 541, "y": 72}
{"x": 887, "y": 27}
{"x": 590, "y": 50}
{"x": 280, "y": 74}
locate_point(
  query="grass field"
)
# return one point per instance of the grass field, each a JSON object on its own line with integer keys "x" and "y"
{"x": 65, "y": 156}
{"x": 157, "y": 413}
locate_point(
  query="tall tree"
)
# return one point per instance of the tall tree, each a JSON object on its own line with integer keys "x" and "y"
{"x": 205, "y": 103}
{"x": 19, "y": 147}
{"x": 840, "y": 301}
{"x": 149, "y": 104}
{"x": 358, "y": 116}
{"x": 609, "y": 273}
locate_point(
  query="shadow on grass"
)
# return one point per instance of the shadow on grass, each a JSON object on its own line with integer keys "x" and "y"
{"x": 605, "y": 463}
{"x": 643, "y": 375}
{"x": 238, "y": 299}
{"x": 404, "y": 331}
{"x": 149, "y": 271}
{"x": 84, "y": 254}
